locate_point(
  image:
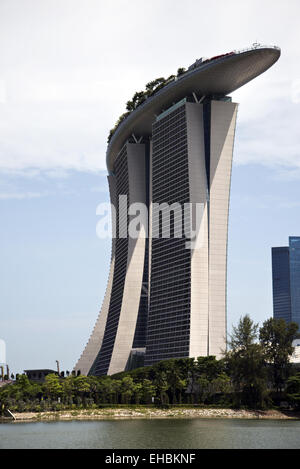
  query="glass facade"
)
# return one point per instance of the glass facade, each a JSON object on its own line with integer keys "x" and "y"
{"x": 168, "y": 328}
{"x": 102, "y": 361}
{"x": 281, "y": 283}
{"x": 295, "y": 278}
{"x": 286, "y": 281}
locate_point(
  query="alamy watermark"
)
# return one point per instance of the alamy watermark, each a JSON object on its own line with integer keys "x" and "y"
{"x": 2, "y": 352}
{"x": 174, "y": 220}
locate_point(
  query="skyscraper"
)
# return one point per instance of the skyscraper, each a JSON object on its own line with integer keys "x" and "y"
{"x": 286, "y": 281}
{"x": 166, "y": 297}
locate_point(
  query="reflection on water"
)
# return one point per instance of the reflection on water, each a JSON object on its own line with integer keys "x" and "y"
{"x": 156, "y": 434}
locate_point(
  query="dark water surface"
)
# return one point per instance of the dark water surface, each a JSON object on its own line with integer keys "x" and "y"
{"x": 156, "y": 434}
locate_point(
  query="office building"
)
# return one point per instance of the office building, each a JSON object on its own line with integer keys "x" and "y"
{"x": 286, "y": 281}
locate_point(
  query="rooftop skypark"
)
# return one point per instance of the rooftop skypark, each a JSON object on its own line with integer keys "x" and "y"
{"x": 213, "y": 77}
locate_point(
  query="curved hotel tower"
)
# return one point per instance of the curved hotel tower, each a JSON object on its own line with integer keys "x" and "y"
{"x": 166, "y": 298}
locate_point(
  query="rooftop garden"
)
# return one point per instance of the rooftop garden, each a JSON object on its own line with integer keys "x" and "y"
{"x": 153, "y": 87}
{"x": 140, "y": 97}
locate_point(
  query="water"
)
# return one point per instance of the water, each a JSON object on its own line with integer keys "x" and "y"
{"x": 153, "y": 434}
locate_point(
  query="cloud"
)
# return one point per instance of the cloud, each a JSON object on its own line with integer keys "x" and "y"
{"x": 101, "y": 189}
{"x": 21, "y": 195}
{"x": 68, "y": 68}
{"x": 271, "y": 139}
{"x": 287, "y": 174}
{"x": 34, "y": 183}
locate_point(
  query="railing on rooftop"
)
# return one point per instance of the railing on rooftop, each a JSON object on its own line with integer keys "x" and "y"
{"x": 256, "y": 45}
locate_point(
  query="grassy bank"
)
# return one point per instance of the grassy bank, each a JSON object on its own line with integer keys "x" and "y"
{"x": 153, "y": 413}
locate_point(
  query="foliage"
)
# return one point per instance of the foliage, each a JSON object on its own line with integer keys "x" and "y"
{"x": 240, "y": 378}
{"x": 246, "y": 365}
{"x": 141, "y": 96}
{"x": 276, "y": 337}
{"x": 293, "y": 390}
{"x": 52, "y": 386}
{"x": 212, "y": 379}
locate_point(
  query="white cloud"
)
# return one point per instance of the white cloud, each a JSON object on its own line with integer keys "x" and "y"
{"x": 21, "y": 195}
{"x": 67, "y": 69}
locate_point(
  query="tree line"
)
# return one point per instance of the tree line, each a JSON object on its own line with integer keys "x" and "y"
{"x": 255, "y": 372}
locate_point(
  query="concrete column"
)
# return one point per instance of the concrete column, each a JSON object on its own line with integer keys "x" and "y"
{"x": 199, "y": 255}
{"x": 135, "y": 264}
{"x": 223, "y": 122}
{"x": 95, "y": 342}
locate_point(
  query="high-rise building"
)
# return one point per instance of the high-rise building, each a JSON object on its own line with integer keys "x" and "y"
{"x": 166, "y": 292}
{"x": 286, "y": 281}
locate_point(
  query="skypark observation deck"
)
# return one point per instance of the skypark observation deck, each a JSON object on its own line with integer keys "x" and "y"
{"x": 165, "y": 300}
{"x": 217, "y": 77}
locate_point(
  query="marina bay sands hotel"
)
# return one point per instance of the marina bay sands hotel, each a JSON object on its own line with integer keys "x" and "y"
{"x": 175, "y": 145}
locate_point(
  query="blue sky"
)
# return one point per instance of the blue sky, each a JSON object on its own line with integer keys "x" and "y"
{"x": 67, "y": 69}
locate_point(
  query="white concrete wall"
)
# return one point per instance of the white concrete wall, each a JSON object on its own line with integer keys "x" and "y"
{"x": 199, "y": 255}
{"x": 223, "y": 122}
{"x": 135, "y": 265}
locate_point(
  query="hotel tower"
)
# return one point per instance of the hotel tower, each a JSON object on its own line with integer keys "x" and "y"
{"x": 165, "y": 299}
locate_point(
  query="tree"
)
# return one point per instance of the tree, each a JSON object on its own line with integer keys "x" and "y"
{"x": 246, "y": 364}
{"x": 244, "y": 335}
{"x": 293, "y": 390}
{"x": 137, "y": 392}
{"x": 52, "y": 386}
{"x": 68, "y": 389}
{"x": 209, "y": 366}
{"x": 203, "y": 387}
{"x": 23, "y": 382}
{"x": 95, "y": 387}
{"x": 154, "y": 85}
{"x": 82, "y": 388}
{"x": 161, "y": 383}
{"x": 210, "y": 378}
{"x": 170, "y": 79}
{"x": 140, "y": 97}
{"x": 191, "y": 377}
{"x": 276, "y": 337}
{"x": 149, "y": 391}
{"x": 127, "y": 389}
{"x": 181, "y": 71}
{"x": 175, "y": 379}
{"x": 221, "y": 384}
{"x": 109, "y": 389}
{"x": 82, "y": 385}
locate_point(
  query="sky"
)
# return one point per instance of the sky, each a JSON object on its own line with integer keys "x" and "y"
{"x": 67, "y": 69}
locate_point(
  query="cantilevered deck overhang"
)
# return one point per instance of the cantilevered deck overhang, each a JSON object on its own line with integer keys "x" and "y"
{"x": 218, "y": 77}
